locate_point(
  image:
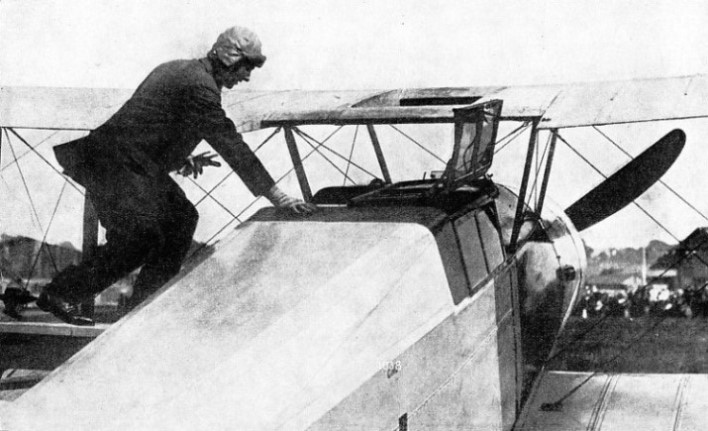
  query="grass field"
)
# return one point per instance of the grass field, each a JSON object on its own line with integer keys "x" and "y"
{"x": 675, "y": 345}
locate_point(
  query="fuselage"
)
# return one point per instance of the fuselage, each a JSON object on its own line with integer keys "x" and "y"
{"x": 395, "y": 309}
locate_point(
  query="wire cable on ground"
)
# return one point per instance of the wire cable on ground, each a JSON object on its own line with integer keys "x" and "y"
{"x": 640, "y": 289}
{"x": 556, "y": 405}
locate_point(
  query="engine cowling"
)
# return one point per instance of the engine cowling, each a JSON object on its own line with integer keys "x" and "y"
{"x": 551, "y": 262}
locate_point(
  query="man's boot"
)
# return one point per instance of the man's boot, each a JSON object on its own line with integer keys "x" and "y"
{"x": 15, "y": 299}
{"x": 67, "y": 311}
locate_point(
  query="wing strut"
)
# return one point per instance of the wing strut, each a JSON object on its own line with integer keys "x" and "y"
{"x": 89, "y": 244}
{"x": 379, "y": 153}
{"x": 297, "y": 163}
{"x": 519, "y": 216}
{"x": 547, "y": 172}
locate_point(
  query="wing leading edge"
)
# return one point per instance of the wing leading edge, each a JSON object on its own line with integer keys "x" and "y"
{"x": 558, "y": 106}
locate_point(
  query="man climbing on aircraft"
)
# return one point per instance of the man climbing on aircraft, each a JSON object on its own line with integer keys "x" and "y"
{"x": 124, "y": 165}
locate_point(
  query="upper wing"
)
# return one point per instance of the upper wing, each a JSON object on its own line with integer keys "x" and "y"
{"x": 628, "y": 102}
{"x": 59, "y": 108}
{"x": 558, "y": 106}
{"x": 618, "y": 402}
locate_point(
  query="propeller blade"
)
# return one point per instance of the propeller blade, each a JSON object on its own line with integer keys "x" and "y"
{"x": 627, "y": 184}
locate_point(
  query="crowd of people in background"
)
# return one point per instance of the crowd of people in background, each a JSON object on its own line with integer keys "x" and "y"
{"x": 654, "y": 300}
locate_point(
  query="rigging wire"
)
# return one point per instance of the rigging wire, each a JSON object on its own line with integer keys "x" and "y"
{"x": 231, "y": 171}
{"x": 44, "y": 239}
{"x": 208, "y": 194}
{"x": 253, "y": 202}
{"x": 29, "y": 152}
{"x": 658, "y": 223}
{"x": 323, "y": 155}
{"x": 24, "y": 183}
{"x": 236, "y": 217}
{"x": 29, "y": 195}
{"x": 421, "y": 146}
{"x": 41, "y": 157}
{"x": 687, "y": 254}
{"x": 662, "y": 182}
{"x": 516, "y": 132}
{"x": 337, "y": 154}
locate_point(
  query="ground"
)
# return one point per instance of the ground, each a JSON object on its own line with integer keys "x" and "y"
{"x": 674, "y": 345}
{"x": 649, "y": 344}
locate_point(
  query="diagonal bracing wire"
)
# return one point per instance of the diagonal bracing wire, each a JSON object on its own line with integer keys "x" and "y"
{"x": 236, "y": 217}
{"x": 253, "y": 202}
{"x": 662, "y": 182}
{"x": 658, "y": 223}
{"x": 44, "y": 244}
{"x": 29, "y": 152}
{"x": 231, "y": 171}
{"x": 321, "y": 145}
{"x": 29, "y": 195}
{"x": 282, "y": 177}
{"x": 421, "y": 146}
{"x": 218, "y": 202}
{"x": 41, "y": 157}
{"x": 516, "y": 133}
{"x": 36, "y": 221}
{"x": 316, "y": 148}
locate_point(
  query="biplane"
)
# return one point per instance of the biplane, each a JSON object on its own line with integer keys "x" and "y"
{"x": 408, "y": 301}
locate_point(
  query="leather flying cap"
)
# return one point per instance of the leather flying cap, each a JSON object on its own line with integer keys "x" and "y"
{"x": 238, "y": 42}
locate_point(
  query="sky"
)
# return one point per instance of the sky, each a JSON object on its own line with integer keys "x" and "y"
{"x": 362, "y": 45}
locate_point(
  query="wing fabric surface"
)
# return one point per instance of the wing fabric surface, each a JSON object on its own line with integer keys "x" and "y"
{"x": 628, "y": 101}
{"x": 560, "y": 106}
{"x": 619, "y": 402}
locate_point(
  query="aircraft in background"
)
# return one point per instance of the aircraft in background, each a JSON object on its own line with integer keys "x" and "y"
{"x": 430, "y": 303}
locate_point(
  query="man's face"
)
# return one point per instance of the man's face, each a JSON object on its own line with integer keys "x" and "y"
{"x": 240, "y": 72}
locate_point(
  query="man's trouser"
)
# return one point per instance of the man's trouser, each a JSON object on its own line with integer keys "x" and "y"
{"x": 148, "y": 220}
